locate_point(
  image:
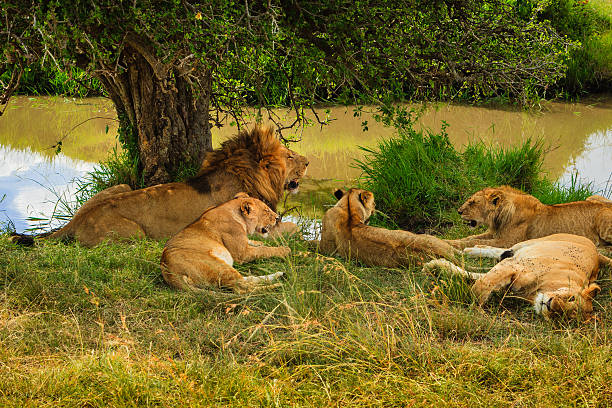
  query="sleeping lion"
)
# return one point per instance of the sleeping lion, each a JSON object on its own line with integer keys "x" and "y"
{"x": 345, "y": 232}
{"x": 513, "y": 216}
{"x": 203, "y": 254}
{"x": 555, "y": 273}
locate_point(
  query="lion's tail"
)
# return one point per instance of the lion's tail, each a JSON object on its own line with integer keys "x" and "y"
{"x": 29, "y": 239}
{"x": 604, "y": 260}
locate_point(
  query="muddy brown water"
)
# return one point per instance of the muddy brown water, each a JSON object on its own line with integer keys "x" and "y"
{"x": 33, "y": 175}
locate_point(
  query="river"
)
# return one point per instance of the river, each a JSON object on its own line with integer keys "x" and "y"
{"x": 33, "y": 175}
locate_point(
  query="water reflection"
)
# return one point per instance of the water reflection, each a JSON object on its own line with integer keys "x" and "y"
{"x": 31, "y": 184}
{"x": 580, "y": 137}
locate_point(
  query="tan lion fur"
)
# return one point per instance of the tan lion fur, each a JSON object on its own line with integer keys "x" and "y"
{"x": 204, "y": 252}
{"x": 254, "y": 162}
{"x": 513, "y": 216}
{"x": 555, "y": 273}
{"x": 345, "y": 232}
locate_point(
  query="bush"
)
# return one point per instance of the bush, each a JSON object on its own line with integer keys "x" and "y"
{"x": 49, "y": 80}
{"x": 419, "y": 179}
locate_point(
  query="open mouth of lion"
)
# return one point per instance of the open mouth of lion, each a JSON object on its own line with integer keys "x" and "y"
{"x": 293, "y": 186}
{"x": 472, "y": 223}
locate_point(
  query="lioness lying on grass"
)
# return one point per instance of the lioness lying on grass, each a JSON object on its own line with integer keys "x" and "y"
{"x": 513, "y": 216}
{"x": 345, "y": 232}
{"x": 202, "y": 254}
{"x": 555, "y": 273}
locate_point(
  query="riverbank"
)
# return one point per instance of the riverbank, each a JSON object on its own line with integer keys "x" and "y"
{"x": 99, "y": 327}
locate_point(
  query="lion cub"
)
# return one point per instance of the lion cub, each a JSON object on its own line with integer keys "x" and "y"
{"x": 202, "y": 254}
{"x": 345, "y": 231}
{"x": 554, "y": 273}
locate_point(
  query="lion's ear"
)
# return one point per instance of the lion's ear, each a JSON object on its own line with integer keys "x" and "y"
{"x": 241, "y": 194}
{"x": 591, "y": 291}
{"x": 338, "y": 193}
{"x": 365, "y": 196}
{"x": 246, "y": 208}
{"x": 495, "y": 198}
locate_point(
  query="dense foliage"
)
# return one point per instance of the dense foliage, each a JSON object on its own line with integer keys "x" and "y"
{"x": 303, "y": 51}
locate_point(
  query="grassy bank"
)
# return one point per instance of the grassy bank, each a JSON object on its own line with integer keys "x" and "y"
{"x": 98, "y": 327}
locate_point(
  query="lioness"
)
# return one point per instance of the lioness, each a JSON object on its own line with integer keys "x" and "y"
{"x": 554, "y": 273}
{"x": 203, "y": 253}
{"x": 254, "y": 162}
{"x": 345, "y": 231}
{"x": 513, "y": 216}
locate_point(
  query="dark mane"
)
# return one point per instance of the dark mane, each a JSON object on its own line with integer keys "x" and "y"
{"x": 254, "y": 158}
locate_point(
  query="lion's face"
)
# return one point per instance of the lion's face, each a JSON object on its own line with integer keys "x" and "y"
{"x": 296, "y": 169}
{"x": 568, "y": 302}
{"x": 257, "y": 215}
{"x": 481, "y": 207}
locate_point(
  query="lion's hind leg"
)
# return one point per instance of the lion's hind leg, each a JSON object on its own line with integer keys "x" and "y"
{"x": 107, "y": 227}
{"x": 603, "y": 222}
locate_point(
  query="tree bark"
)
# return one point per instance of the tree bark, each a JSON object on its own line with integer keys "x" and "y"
{"x": 166, "y": 122}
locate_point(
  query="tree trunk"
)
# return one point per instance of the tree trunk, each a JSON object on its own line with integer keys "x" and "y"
{"x": 161, "y": 117}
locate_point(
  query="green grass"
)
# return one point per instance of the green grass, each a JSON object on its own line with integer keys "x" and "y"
{"x": 99, "y": 327}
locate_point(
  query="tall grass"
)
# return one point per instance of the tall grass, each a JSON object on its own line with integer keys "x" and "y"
{"x": 419, "y": 179}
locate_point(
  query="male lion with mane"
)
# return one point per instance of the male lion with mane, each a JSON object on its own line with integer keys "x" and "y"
{"x": 203, "y": 254}
{"x": 254, "y": 162}
{"x": 555, "y": 273}
{"x": 345, "y": 232}
{"x": 513, "y": 216}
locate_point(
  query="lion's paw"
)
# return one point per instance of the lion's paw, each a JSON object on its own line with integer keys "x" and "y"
{"x": 284, "y": 251}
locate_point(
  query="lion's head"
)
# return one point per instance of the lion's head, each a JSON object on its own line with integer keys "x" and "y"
{"x": 258, "y": 217}
{"x": 296, "y": 169}
{"x": 263, "y": 166}
{"x": 358, "y": 203}
{"x": 494, "y": 207}
{"x": 570, "y": 302}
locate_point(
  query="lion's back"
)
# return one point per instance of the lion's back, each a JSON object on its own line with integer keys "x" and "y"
{"x": 578, "y": 218}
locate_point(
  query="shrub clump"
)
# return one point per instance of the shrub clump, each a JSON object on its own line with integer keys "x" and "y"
{"x": 420, "y": 179}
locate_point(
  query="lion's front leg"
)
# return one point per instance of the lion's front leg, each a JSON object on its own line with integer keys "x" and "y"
{"x": 451, "y": 267}
{"x": 243, "y": 250}
{"x": 498, "y": 278}
{"x": 469, "y": 241}
{"x": 492, "y": 242}
{"x": 251, "y": 253}
{"x": 255, "y": 243}
{"x": 284, "y": 228}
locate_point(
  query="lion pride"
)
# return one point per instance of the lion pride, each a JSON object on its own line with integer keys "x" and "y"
{"x": 555, "y": 273}
{"x": 254, "y": 162}
{"x": 513, "y": 216}
{"x": 345, "y": 232}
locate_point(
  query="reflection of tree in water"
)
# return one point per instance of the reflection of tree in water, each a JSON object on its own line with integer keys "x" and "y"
{"x": 39, "y": 123}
